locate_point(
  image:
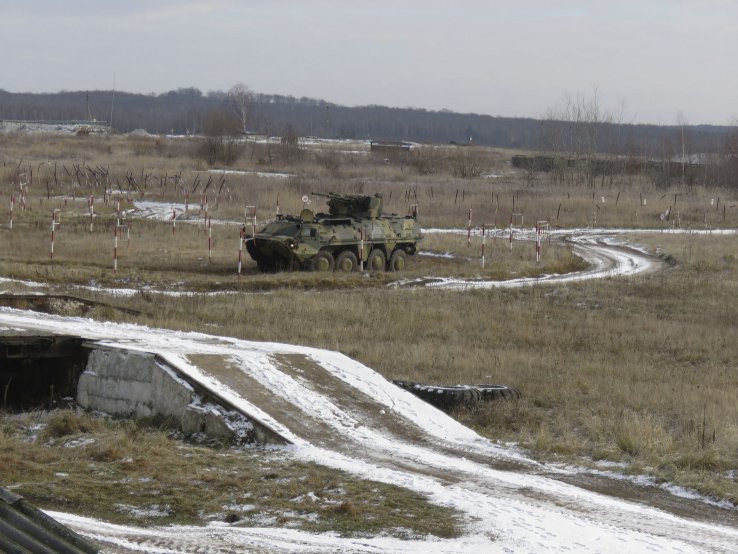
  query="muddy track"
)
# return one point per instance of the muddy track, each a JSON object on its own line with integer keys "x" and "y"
{"x": 605, "y": 259}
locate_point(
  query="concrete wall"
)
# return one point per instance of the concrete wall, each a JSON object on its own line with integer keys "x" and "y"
{"x": 130, "y": 383}
{"x": 126, "y": 383}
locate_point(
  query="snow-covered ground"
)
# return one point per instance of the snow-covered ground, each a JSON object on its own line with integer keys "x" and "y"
{"x": 607, "y": 254}
{"x": 341, "y": 414}
{"x": 263, "y": 174}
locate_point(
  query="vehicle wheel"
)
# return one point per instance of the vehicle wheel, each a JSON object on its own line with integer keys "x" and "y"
{"x": 323, "y": 261}
{"x": 398, "y": 260}
{"x": 347, "y": 262}
{"x": 376, "y": 260}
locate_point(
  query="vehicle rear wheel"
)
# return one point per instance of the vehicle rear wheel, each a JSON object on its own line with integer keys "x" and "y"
{"x": 398, "y": 260}
{"x": 347, "y": 262}
{"x": 323, "y": 261}
{"x": 376, "y": 260}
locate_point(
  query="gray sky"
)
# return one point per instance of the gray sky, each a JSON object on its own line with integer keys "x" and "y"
{"x": 656, "y": 61}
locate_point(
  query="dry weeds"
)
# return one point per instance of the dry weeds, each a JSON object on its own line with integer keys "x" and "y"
{"x": 638, "y": 369}
{"x": 135, "y": 472}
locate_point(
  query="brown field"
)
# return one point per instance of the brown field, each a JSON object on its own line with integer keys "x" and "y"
{"x": 640, "y": 370}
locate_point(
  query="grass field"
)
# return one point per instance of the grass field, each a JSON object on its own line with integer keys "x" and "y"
{"x": 639, "y": 370}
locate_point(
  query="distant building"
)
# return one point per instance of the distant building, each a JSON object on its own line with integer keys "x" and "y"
{"x": 67, "y": 127}
{"x": 389, "y": 146}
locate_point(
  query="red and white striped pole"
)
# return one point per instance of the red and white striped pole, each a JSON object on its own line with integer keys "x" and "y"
{"x": 210, "y": 239}
{"x": 468, "y": 231}
{"x": 53, "y": 228}
{"x": 483, "y": 241}
{"x": 205, "y": 204}
{"x": 511, "y": 232}
{"x": 538, "y": 243}
{"x": 361, "y": 250}
{"x": 240, "y": 250}
{"x": 115, "y": 246}
{"x": 55, "y": 222}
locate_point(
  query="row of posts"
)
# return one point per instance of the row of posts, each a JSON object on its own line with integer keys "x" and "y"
{"x": 542, "y": 229}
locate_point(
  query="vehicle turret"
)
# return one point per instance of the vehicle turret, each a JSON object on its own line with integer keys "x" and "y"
{"x": 353, "y": 205}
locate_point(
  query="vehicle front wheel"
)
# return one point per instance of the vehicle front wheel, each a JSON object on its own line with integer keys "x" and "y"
{"x": 323, "y": 261}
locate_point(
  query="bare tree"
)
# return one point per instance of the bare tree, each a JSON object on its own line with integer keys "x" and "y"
{"x": 466, "y": 162}
{"x": 579, "y": 131}
{"x": 222, "y": 138}
{"x": 240, "y": 100}
{"x": 683, "y": 139}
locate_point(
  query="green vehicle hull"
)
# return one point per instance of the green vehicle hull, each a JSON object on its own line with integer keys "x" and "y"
{"x": 352, "y": 235}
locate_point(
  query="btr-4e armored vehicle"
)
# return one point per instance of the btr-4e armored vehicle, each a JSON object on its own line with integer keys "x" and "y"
{"x": 353, "y": 232}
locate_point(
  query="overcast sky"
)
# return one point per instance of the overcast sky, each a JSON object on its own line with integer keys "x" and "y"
{"x": 656, "y": 61}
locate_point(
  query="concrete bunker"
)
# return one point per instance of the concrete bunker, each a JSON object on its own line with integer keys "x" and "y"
{"x": 47, "y": 372}
{"x": 40, "y": 372}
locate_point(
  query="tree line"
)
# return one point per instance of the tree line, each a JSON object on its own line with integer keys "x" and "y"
{"x": 186, "y": 110}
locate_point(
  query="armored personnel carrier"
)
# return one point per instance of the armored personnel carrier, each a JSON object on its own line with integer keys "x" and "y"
{"x": 353, "y": 232}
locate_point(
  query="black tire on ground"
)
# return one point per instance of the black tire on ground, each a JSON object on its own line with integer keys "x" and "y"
{"x": 448, "y": 398}
{"x": 376, "y": 260}
{"x": 398, "y": 260}
{"x": 497, "y": 392}
{"x": 347, "y": 262}
{"x": 323, "y": 261}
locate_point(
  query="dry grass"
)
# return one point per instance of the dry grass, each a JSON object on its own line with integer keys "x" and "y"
{"x": 443, "y": 199}
{"x": 623, "y": 369}
{"x": 158, "y": 253}
{"x": 131, "y": 472}
{"x": 637, "y": 369}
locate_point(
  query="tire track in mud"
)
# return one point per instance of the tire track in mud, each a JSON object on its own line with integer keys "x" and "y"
{"x": 604, "y": 258}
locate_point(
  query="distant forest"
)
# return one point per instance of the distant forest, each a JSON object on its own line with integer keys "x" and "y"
{"x": 186, "y": 110}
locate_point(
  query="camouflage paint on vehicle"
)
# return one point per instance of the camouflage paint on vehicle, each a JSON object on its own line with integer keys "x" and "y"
{"x": 324, "y": 242}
